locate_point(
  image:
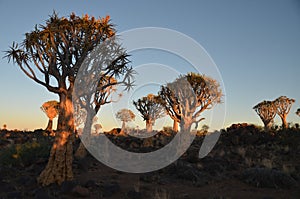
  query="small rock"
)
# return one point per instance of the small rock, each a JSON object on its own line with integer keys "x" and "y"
{"x": 80, "y": 191}
{"x": 110, "y": 189}
{"x": 132, "y": 194}
{"x": 91, "y": 184}
{"x": 67, "y": 186}
{"x": 41, "y": 193}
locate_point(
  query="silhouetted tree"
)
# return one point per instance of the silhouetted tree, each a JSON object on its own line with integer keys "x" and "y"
{"x": 51, "y": 109}
{"x": 125, "y": 115}
{"x": 172, "y": 106}
{"x": 51, "y": 55}
{"x": 283, "y": 106}
{"x": 151, "y": 109}
{"x": 188, "y": 96}
{"x": 298, "y": 112}
{"x": 266, "y": 111}
{"x": 91, "y": 101}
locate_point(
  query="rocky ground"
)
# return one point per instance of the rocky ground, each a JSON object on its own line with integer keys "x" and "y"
{"x": 245, "y": 163}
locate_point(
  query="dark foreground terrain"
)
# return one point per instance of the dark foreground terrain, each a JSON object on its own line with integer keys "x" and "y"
{"x": 245, "y": 163}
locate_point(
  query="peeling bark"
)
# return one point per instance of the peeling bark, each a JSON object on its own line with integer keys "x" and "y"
{"x": 59, "y": 166}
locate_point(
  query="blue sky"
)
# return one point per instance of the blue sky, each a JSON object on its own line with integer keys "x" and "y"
{"x": 255, "y": 45}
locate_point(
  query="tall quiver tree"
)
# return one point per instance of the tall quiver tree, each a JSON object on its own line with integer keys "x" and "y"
{"x": 51, "y": 109}
{"x": 51, "y": 55}
{"x": 125, "y": 115}
{"x": 188, "y": 96}
{"x": 283, "y": 106}
{"x": 151, "y": 108}
{"x": 266, "y": 111}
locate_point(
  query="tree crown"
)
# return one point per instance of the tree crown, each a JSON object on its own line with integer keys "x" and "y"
{"x": 125, "y": 115}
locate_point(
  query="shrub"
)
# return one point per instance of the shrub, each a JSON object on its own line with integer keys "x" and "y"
{"x": 24, "y": 154}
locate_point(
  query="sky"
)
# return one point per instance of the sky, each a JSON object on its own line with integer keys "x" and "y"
{"x": 255, "y": 46}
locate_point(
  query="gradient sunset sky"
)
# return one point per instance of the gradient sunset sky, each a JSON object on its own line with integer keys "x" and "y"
{"x": 255, "y": 45}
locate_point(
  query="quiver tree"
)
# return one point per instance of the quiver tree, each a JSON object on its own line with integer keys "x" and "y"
{"x": 125, "y": 115}
{"x": 51, "y": 55}
{"x": 283, "y": 106}
{"x": 93, "y": 92}
{"x": 172, "y": 105}
{"x": 188, "y": 96}
{"x": 51, "y": 109}
{"x": 151, "y": 109}
{"x": 266, "y": 111}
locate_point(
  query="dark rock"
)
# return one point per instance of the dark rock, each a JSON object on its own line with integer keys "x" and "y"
{"x": 267, "y": 178}
{"x": 150, "y": 177}
{"x": 15, "y": 194}
{"x": 132, "y": 194}
{"x": 110, "y": 189}
{"x": 91, "y": 184}
{"x": 80, "y": 191}
{"x": 67, "y": 186}
{"x": 42, "y": 193}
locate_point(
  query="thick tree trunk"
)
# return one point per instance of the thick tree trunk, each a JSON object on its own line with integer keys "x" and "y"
{"x": 185, "y": 126}
{"x": 184, "y": 135}
{"x": 175, "y": 126}
{"x": 284, "y": 122}
{"x": 149, "y": 125}
{"x": 59, "y": 166}
{"x": 268, "y": 125}
{"x": 122, "y": 132}
{"x": 81, "y": 151}
{"x": 50, "y": 124}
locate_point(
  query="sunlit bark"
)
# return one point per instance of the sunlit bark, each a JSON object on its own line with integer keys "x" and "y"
{"x": 283, "y": 106}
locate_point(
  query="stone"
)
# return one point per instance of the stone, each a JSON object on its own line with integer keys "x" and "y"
{"x": 80, "y": 191}
{"x": 110, "y": 189}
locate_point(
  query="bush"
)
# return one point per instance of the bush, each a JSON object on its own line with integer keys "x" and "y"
{"x": 24, "y": 154}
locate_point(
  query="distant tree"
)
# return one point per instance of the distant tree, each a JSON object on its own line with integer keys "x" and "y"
{"x": 266, "y": 111}
{"x": 205, "y": 128}
{"x": 51, "y": 109}
{"x": 298, "y": 112}
{"x": 188, "y": 96}
{"x": 51, "y": 55}
{"x": 283, "y": 106}
{"x": 4, "y": 127}
{"x": 97, "y": 128}
{"x": 151, "y": 109}
{"x": 125, "y": 115}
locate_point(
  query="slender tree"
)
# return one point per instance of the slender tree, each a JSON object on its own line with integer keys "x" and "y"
{"x": 51, "y": 55}
{"x": 266, "y": 111}
{"x": 188, "y": 96}
{"x": 125, "y": 115}
{"x": 51, "y": 109}
{"x": 91, "y": 101}
{"x": 283, "y": 106}
{"x": 151, "y": 108}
